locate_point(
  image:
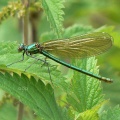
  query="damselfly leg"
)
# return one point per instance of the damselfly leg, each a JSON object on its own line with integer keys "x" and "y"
{"x": 18, "y": 60}
{"x": 44, "y": 62}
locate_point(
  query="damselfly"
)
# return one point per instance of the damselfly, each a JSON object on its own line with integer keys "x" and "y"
{"x": 76, "y": 47}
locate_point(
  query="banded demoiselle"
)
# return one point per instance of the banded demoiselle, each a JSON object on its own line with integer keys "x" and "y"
{"x": 86, "y": 45}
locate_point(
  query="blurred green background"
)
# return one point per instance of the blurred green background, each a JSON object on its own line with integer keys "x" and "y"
{"x": 95, "y": 13}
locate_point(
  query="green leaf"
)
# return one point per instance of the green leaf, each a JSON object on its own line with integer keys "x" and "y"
{"x": 77, "y": 30}
{"x": 111, "y": 114}
{"x": 85, "y": 91}
{"x": 54, "y": 12}
{"x": 35, "y": 94}
{"x": 91, "y": 114}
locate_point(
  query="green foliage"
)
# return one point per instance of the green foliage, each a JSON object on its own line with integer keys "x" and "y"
{"x": 53, "y": 10}
{"x": 11, "y": 10}
{"x": 90, "y": 114}
{"x": 67, "y": 97}
{"x": 110, "y": 65}
{"x": 85, "y": 91}
{"x": 36, "y": 95}
{"x": 17, "y": 8}
{"x": 80, "y": 89}
{"x": 71, "y": 31}
{"x": 111, "y": 113}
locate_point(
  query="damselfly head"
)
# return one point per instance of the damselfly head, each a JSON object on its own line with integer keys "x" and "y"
{"x": 21, "y": 47}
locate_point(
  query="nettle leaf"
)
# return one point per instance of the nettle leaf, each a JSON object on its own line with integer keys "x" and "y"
{"x": 91, "y": 114}
{"x": 77, "y": 30}
{"x": 111, "y": 114}
{"x": 54, "y": 12}
{"x": 86, "y": 91}
{"x": 38, "y": 96}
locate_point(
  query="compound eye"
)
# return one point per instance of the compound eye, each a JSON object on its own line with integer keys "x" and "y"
{"x": 21, "y": 47}
{"x": 37, "y": 45}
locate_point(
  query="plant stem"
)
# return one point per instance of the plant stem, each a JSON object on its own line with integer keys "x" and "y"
{"x": 25, "y": 41}
{"x": 25, "y": 22}
{"x": 34, "y": 18}
{"x": 20, "y": 113}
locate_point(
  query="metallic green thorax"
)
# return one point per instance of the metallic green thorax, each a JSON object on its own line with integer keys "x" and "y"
{"x": 32, "y": 49}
